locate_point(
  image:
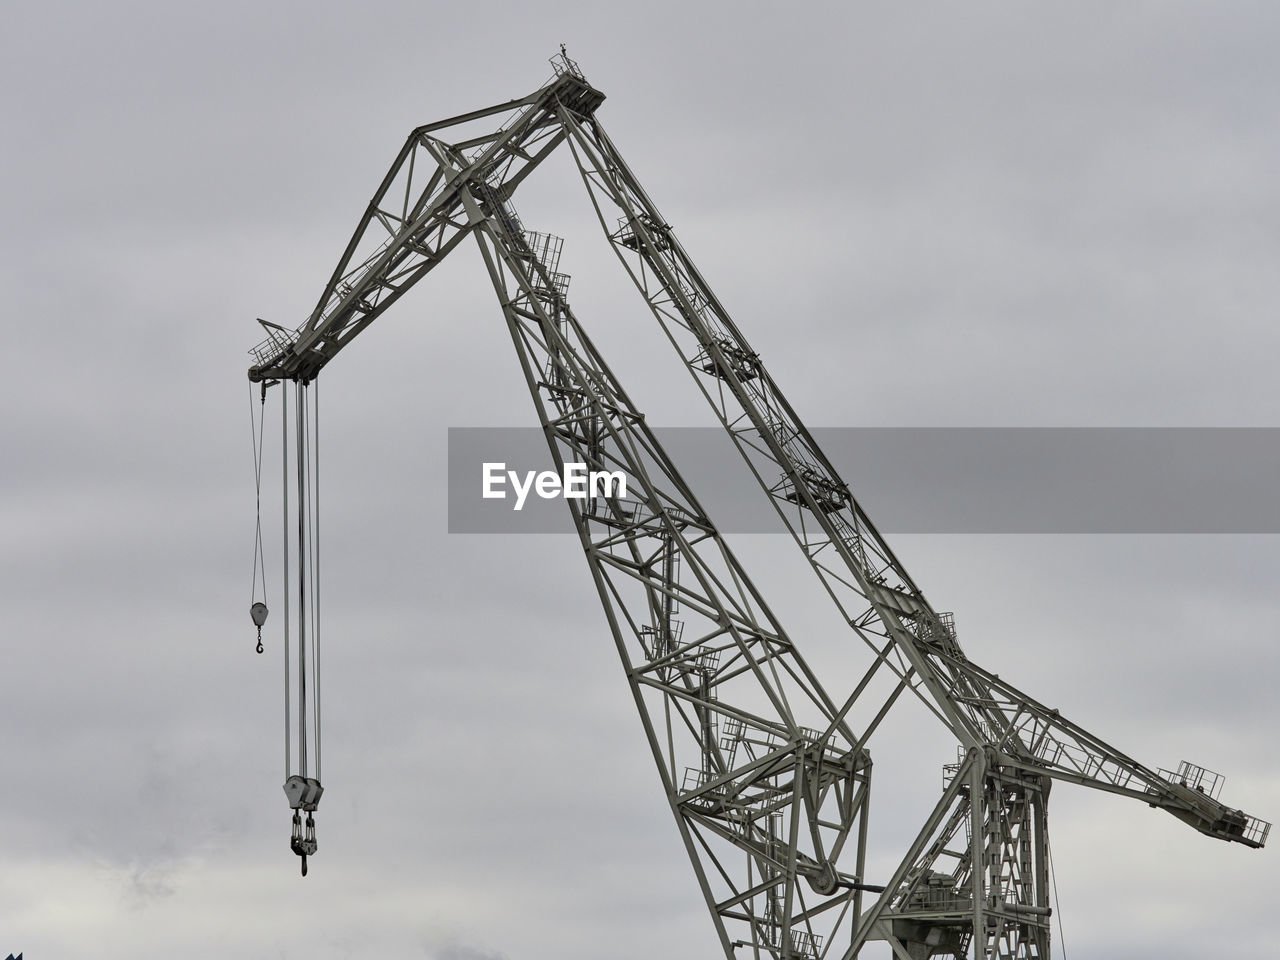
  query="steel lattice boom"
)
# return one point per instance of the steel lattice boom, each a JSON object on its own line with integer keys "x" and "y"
{"x": 767, "y": 775}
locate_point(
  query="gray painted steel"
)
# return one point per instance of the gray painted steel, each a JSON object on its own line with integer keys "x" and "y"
{"x": 767, "y": 776}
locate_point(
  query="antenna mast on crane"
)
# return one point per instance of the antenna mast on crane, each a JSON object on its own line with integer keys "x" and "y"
{"x": 767, "y": 774}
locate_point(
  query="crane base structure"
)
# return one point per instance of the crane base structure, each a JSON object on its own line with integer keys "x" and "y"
{"x": 767, "y": 774}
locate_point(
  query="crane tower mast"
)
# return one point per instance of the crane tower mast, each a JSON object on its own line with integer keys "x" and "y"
{"x": 767, "y": 775}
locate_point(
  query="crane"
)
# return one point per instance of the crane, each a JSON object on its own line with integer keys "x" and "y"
{"x": 767, "y": 774}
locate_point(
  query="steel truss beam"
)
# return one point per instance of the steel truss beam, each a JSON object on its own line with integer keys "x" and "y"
{"x": 873, "y": 591}
{"x": 767, "y": 781}
{"x": 768, "y": 778}
{"x": 938, "y": 903}
{"x": 415, "y": 219}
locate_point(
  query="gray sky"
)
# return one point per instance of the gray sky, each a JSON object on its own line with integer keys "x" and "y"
{"x": 995, "y": 214}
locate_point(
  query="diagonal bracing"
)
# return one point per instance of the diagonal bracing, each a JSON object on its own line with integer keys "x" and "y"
{"x": 767, "y": 776}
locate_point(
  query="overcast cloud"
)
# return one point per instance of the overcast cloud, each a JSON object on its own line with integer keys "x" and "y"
{"x": 989, "y": 214}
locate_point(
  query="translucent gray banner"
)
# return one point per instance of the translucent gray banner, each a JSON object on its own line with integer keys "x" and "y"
{"x": 931, "y": 480}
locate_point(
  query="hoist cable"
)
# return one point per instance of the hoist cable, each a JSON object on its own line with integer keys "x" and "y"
{"x": 315, "y": 569}
{"x": 310, "y": 440}
{"x": 284, "y": 479}
{"x": 300, "y": 408}
{"x": 308, "y": 483}
{"x": 257, "y": 433}
{"x": 1057, "y": 907}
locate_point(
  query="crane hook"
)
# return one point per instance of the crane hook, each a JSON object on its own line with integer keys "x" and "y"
{"x": 259, "y": 614}
{"x": 303, "y": 844}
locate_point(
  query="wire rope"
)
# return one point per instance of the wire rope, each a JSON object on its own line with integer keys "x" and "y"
{"x": 257, "y": 433}
{"x": 315, "y": 567}
{"x": 284, "y": 479}
{"x": 1057, "y": 907}
{"x": 310, "y": 434}
{"x": 300, "y": 407}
